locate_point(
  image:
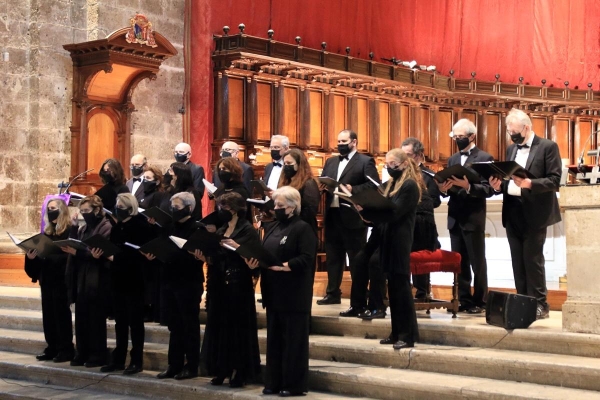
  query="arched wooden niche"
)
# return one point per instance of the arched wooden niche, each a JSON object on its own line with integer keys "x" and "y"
{"x": 105, "y": 75}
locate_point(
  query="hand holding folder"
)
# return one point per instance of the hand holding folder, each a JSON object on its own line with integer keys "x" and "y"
{"x": 501, "y": 170}
{"x": 40, "y": 242}
{"x": 457, "y": 171}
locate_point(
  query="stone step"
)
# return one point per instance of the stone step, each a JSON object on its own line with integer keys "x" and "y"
{"x": 546, "y": 369}
{"x": 23, "y": 390}
{"x": 342, "y": 379}
{"x": 20, "y": 367}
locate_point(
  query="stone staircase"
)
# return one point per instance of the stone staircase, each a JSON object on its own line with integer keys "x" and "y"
{"x": 461, "y": 358}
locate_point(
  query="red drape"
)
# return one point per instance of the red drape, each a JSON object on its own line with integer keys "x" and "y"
{"x": 556, "y": 40}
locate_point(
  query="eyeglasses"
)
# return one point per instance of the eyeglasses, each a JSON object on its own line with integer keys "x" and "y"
{"x": 510, "y": 133}
{"x": 230, "y": 151}
{"x": 275, "y": 148}
{"x": 181, "y": 152}
{"x": 458, "y": 137}
{"x": 391, "y": 166}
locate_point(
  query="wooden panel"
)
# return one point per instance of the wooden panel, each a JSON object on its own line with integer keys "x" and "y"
{"x": 363, "y": 124}
{"x": 101, "y": 139}
{"x": 539, "y": 126}
{"x": 339, "y": 120}
{"x": 236, "y": 108}
{"x": 562, "y": 136}
{"x": 384, "y": 127}
{"x": 290, "y": 114}
{"x": 582, "y": 133}
{"x": 316, "y": 119}
{"x": 425, "y": 127}
{"x": 264, "y": 110}
{"x": 111, "y": 86}
{"x": 404, "y": 122}
{"x": 445, "y": 142}
{"x": 471, "y": 116}
{"x": 493, "y": 135}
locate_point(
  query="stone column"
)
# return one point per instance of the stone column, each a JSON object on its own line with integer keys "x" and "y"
{"x": 581, "y": 205}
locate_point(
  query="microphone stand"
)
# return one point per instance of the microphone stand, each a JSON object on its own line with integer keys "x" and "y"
{"x": 62, "y": 186}
{"x": 580, "y": 167}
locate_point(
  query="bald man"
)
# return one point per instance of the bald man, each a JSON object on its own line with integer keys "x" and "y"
{"x": 183, "y": 154}
{"x": 231, "y": 149}
{"x": 137, "y": 166}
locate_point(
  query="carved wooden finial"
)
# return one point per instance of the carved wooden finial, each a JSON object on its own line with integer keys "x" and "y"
{"x": 270, "y": 33}
{"x": 567, "y": 84}
{"x": 226, "y": 30}
{"x": 241, "y": 27}
{"x": 543, "y": 82}
{"x": 473, "y": 74}
{"x": 590, "y": 85}
{"x": 451, "y": 73}
{"x": 323, "y": 45}
{"x": 348, "y": 50}
{"x": 371, "y": 55}
{"x": 497, "y": 76}
{"x": 298, "y": 39}
{"x": 521, "y": 80}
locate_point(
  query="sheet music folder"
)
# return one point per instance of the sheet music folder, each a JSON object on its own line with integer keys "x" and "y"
{"x": 369, "y": 199}
{"x": 458, "y": 171}
{"x": 161, "y": 217}
{"x": 501, "y": 169}
{"x": 40, "y": 242}
{"x": 256, "y": 250}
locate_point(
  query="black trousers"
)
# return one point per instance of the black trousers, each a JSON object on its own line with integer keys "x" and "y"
{"x": 527, "y": 253}
{"x": 90, "y": 327}
{"x": 338, "y": 242}
{"x": 402, "y": 309}
{"x": 56, "y": 317}
{"x": 183, "y": 302}
{"x": 287, "y": 351}
{"x": 421, "y": 284}
{"x": 471, "y": 246}
{"x": 129, "y": 315}
{"x": 367, "y": 273}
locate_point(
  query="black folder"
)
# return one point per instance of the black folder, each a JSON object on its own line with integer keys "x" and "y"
{"x": 329, "y": 182}
{"x": 262, "y": 205}
{"x": 74, "y": 243}
{"x": 162, "y": 247}
{"x": 255, "y": 249}
{"x": 208, "y": 243}
{"x": 458, "y": 171}
{"x": 369, "y": 199}
{"x": 259, "y": 187}
{"x": 501, "y": 170}
{"x": 100, "y": 242}
{"x": 211, "y": 219}
{"x": 162, "y": 218}
{"x": 40, "y": 242}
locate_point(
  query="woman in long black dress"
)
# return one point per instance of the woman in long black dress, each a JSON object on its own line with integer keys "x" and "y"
{"x": 113, "y": 177}
{"x": 50, "y": 272}
{"x": 287, "y": 295}
{"x": 298, "y": 174}
{"x": 395, "y": 236}
{"x": 128, "y": 283}
{"x": 88, "y": 272}
{"x": 230, "y": 346}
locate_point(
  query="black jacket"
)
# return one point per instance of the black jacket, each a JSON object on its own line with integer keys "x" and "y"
{"x": 139, "y": 193}
{"x": 197, "y": 176}
{"x": 247, "y": 176}
{"x": 108, "y": 194}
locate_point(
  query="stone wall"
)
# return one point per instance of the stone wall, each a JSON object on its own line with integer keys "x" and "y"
{"x": 36, "y": 83}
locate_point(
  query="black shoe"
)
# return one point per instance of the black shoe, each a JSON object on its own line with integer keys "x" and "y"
{"x": 133, "y": 369}
{"x": 45, "y": 356}
{"x": 169, "y": 373}
{"x": 186, "y": 374}
{"x": 352, "y": 312}
{"x": 63, "y": 357}
{"x": 77, "y": 362}
{"x": 268, "y": 391}
{"x": 542, "y": 313}
{"x": 92, "y": 364}
{"x": 476, "y": 310}
{"x": 388, "y": 340}
{"x": 400, "y": 344}
{"x": 236, "y": 382}
{"x": 368, "y": 314}
{"x": 217, "y": 381}
{"x": 329, "y": 299}
{"x": 110, "y": 367}
{"x": 287, "y": 393}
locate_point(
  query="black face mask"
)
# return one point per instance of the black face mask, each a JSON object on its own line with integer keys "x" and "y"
{"x": 181, "y": 157}
{"x": 224, "y": 216}
{"x": 225, "y": 176}
{"x": 137, "y": 171}
{"x": 167, "y": 179}
{"x": 344, "y": 149}
{"x": 289, "y": 171}
{"x": 276, "y": 155}
{"x": 395, "y": 173}
{"x": 149, "y": 186}
{"x": 106, "y": 177}
{"x": 52, "y": 215}
{"x": 121, "y": 213}
{"x": 180, "y": 214}
{"x": 462, "y": 143}
{"x": 225, "y": 154}
{"x": 280, "y": 215}
{"x": 517, "y": 138}
{"x": 90, "y": 218}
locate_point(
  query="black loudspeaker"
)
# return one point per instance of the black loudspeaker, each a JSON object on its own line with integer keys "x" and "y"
{"x": 510, "y": 311}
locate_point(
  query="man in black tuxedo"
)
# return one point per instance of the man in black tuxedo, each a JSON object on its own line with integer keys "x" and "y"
{"x": 231, "y": 149}
{"x": 183, "y": 154}
{"x": 466, "y": 218}
{"x": 415, "y": 150}
{"x": 279, "y": 145}
{"x": 530, "y": 206}
{"x": 345, "y": 231}
{"x": 137, "y": 165}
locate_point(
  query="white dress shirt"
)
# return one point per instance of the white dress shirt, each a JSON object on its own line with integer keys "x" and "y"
{"x": 343, "y": 163}
{"x": 136, "y": 184}
{"x": 521, "y": 159}
{"x": 275, "y": 174}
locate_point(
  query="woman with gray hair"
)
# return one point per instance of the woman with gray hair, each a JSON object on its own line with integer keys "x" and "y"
{"x": 287, "y": 291}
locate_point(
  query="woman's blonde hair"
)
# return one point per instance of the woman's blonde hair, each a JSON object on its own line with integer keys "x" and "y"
{"x": 129, "y": 201}
{"x": 412, "y": 171}
{"x": 63, "y": 222}
{"x": 290, "y": 196}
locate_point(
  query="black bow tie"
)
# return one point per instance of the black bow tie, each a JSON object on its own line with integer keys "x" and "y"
{"x": 276, "y": 164}
{"x": 137, "y": 179}
{"x": 465, "y": 153}
{"x": 522, "y": 146}
{"x": 344, "y": 158}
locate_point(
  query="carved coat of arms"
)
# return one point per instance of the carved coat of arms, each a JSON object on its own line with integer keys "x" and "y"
{"x": 140, "y": 31}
